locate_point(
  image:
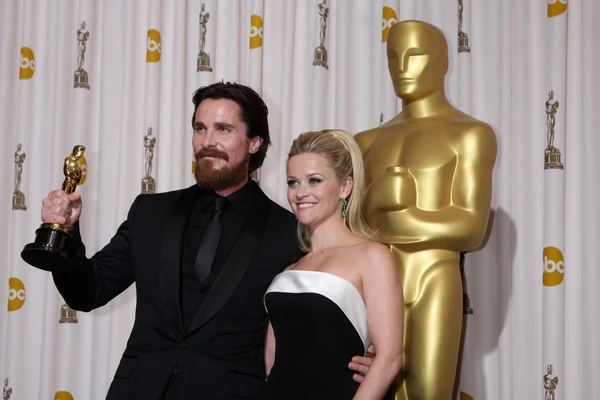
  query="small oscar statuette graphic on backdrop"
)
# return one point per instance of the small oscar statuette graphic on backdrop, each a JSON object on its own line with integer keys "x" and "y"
{"x": 81, "y": 76}
{"x": 203, "y": 57}
{"x": 67, "y": 315}
{"x": 49, "y": 250}
{"x": 148, "y": 182}
{"x": 18, "y": 197}
{"x": 6, "y": 390}
{"x": 321, "y": 51}
{"x": 550, "y": 383}
{"x": 463, "y": 38}
{"x": 551, "y": 154}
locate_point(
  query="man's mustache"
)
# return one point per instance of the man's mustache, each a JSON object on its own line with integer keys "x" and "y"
{"x": 216, "y": 153}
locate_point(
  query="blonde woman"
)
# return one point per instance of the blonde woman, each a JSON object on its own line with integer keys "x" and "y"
{"x": 343, "y": 295}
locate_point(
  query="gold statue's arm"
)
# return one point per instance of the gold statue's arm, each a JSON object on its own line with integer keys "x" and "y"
{"x": 461, "y": 224}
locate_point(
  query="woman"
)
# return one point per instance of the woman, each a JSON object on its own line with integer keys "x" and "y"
{"x": 344, "y": 294}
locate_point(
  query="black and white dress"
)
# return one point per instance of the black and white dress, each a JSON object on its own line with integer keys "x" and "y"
{"x": 320, "y": 323}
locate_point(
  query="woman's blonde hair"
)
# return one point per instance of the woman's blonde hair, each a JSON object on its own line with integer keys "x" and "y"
{"x": 345, "y": 157}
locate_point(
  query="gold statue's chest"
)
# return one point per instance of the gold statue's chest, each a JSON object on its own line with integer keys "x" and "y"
{"x": 410, "y": 165}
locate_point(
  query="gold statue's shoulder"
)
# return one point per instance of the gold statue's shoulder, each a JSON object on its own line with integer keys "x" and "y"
{"x": 479, "y": 139}
{"x": 365, "y": 139}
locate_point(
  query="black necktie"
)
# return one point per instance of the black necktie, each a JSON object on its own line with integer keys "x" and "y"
{"x": 210, "y": 241}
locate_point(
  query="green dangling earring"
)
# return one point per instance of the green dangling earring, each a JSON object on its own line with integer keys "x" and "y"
{"x": 345, "y": 208}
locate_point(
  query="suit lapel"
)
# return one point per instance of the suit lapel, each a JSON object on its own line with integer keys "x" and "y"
{"x": 237, "y": 263}
{"x": 171, "y": 254}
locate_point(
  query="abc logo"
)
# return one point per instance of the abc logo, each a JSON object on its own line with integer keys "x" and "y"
{"x": 83, "y": 165}
{"x": 16, "y": 294}
{"x": 62, "y": 395}
{"x": 256, "y": 31}
{"x": 153, "y": 46}
{"x": 389, "y": 19}
{"x": 27, "y": 66}
{"x": 465, "y": 396}
{"x": 556, "y": 7}
{"x": 554, "y": 266}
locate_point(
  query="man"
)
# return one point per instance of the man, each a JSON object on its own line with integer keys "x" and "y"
{"x": 200, "y": 325}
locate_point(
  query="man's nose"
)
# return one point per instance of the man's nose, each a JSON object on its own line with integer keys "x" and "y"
{"x": 209, "y": 139}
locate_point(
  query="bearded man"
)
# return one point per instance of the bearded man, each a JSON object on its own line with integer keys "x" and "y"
{"x": 202, "y": 259}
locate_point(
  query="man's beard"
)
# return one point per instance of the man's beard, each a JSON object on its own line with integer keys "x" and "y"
{"x": 219, "y": 179}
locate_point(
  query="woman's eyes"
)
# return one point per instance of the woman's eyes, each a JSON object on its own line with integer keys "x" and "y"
{"x": 312, "y": 181}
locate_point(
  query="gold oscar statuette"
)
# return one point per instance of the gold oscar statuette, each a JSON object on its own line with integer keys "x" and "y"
{"x": 463, "y": 38}
{"x": 148, "y": 182}
{"x": 320, "y": 50}
{"x": 80, "y": 78}
{"x": 6, "y": 390}
{"x": 18, "y": 197}
{"x": 203, "y": 57}
{"x": 550, "y": 383}
{"x": 551, "y": 154}
{"x": 49, "y": 250}
{"x": 428, "y": 179}
{"x": 67, "y": 315}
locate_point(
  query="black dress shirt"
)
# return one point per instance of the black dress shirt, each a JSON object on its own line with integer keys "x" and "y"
{"x": 234, "y": 216}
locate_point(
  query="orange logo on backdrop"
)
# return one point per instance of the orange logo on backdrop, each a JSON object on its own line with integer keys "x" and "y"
{"x": 554, "y": 266}
{"x": 16, "y": 294}
{"x": 466, "y": 396}
{"x": 556, "y": 7}
{"x": 153, "y": 46}
{"x": 62, "y": 395}
{"x": 256, "y": 31}
{"x": 389, "y": 18}
{"x": 27, "y": 66}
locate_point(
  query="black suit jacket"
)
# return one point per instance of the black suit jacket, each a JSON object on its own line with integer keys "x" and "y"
{"x": 220, "y": 355}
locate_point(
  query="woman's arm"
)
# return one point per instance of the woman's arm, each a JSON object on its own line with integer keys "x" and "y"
{"x": 384, "y": 299}
{"x": 269, "y": 349}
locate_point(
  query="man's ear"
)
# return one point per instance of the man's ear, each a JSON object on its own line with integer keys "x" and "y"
{"x": 254, "y": 144}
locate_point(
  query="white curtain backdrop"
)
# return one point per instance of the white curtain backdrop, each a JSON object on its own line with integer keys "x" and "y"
{"x": 533, "y": 285}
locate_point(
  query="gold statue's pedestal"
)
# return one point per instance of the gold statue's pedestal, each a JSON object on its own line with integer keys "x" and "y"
{"x": 49, "y": 250}
{"x": 463, "y": 43}
{"x": 148, "y": 185}
{"x": 80, "y": 79}
{"x": 18, "y": 201}
{"x": 552, "y": 159}
{"x": 204, "y": 62}
{"x": 321, "y": 57}
{"x": 67, "y": 315}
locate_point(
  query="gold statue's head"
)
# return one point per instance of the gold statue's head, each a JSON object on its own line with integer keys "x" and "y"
{"x": 417, "y": 59}
{"x": 78, "y": 151}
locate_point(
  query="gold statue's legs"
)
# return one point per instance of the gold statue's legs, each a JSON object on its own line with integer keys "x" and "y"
{"x": 433, "y": 323}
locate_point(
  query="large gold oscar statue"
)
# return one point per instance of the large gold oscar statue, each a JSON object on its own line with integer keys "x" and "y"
{"x": 429, "y": 185}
